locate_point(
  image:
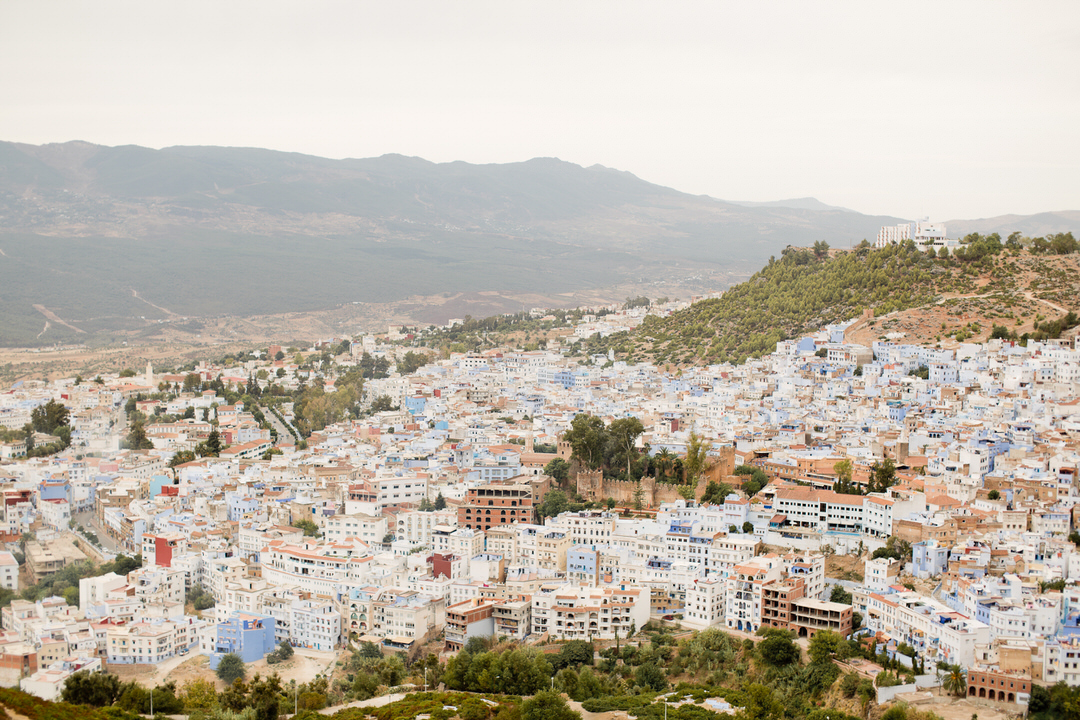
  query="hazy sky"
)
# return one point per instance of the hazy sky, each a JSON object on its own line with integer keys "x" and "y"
{"x": 943, "y": 109}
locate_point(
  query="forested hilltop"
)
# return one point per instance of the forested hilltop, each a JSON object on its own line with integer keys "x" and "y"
{"x": 1018, "y": 283}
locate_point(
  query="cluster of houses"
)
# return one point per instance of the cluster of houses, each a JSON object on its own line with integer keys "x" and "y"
{"x": 417, "y": 527}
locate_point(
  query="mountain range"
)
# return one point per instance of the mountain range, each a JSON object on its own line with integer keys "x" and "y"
{"x": 97, "y": 242}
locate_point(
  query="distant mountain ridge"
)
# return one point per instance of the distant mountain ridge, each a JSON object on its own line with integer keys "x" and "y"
{"x": 807, "y": 203}
{"x": 113, "y": 239}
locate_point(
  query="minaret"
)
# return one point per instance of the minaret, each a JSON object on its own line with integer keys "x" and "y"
{"x": 149, "y": 374}
{"x": 529, "y": 442}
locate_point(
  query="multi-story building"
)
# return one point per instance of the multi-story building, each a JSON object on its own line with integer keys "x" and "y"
{"x": 704, "y": 606}
{"x": 9, "y": 571}
{"x": 157, "y": 585}
{"x": 416, "y": 526}
{"x": 551, "y": 548}
{"x": 784, "y": 605}
{"x": 999, "y": 685}
{"x": 160, "y": 549}
{"x": 743, "y": 600}
{"x": 151, "y": 642}
{"x": 513, "y": 619}
{"x": 319, "y": 569}
{"x": 936, "y": 632}
{"x": 494, "y": 504}
{"x": 469, "y": 619}
{"x": 370, "y": 529}
{"x": 824, "y": 511}
{"x": 249, "y": 635}
{"x": 579, "y": 612}
{"x": 316, "y": 624}
{"x": 590, "y": 528}
{"x": 402, "y": 617}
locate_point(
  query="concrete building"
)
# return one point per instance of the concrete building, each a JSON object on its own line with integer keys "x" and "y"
{"x": 469, "y": 619}
{"x": 579, "y": 612}
{"x": 248, "y": 635}
{"x": 9, "y": 571}
{"x": 494, "y": 504}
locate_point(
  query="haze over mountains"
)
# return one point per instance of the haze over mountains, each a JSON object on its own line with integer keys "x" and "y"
{"x": 102, "y": 240}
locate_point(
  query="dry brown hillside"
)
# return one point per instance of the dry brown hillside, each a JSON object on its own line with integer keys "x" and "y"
{"x": 1018, "y": 293}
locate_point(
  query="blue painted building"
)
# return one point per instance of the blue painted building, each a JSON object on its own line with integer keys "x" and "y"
{"x": 248, "y": 635}
{"x": 239, "y": 505}
{"x": 55, "y": 489}
{"x": 582, "y": 564}
{"x": 157, "y": 482}
{"x": 929, "y": 558}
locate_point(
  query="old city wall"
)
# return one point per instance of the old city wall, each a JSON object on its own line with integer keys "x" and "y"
{"x": 592, "y": 485}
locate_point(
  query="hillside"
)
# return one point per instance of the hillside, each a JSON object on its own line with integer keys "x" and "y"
{"x": 100, "y": 243}
{"x": 913, "y": 296}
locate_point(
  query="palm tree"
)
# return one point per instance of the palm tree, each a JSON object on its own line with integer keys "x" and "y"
{"x": 663, "y": 461}
{"x": 956, "y": 681}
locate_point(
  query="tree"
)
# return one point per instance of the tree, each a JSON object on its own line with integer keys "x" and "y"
{"x": 778, "y": 650}
{"x": 840, "y": 595}
{"x": 715, "y": 493}
{"x": 235, "y": 696}
{"x": 761, "y": 703}
{"x": 586, "y": 437}
{"x": 48, "y": 417}
{"x": 554, "y": 503}
{"x": 199, "y": 694}
{"x": 883, "y": 476}
{"x": 180, "y": 457}
{"x": 697, "y": 458}
{"x": 649, "y": 675}
{"x": 558, "y": 470}
{"x": 265, "y": 693}
{"x": 200, "y": 598}
{"x": 993, "y": 495}
{"x": 370, "y": 650}
{"x": 573, "y": 654}
{"x": 412, "y": 362}
{"x": 308, "y": 526}
{"x": 624, "y": 432}
{"x": 87, "y": 688}
{"x": 823, "y": 645}
{"x": 1040, "y": 699}
{"x": 137, "y": 439}
{"x": 440, "y": 501}
{"x": 231, "y": 668}
{"x": 747, "y": 527}
{"x": 213, "y": 443}
{"x": 382, "y": 403}
{"x": 955, "y": 681}
{"x": 546, "y": 705}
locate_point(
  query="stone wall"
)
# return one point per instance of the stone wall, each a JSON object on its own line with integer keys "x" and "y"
{"x": 591, "y": 485}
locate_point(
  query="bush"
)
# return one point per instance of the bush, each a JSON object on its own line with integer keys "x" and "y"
{"x": 546, "y": 705}
{"x": 231, "y": 668}
{"x": 896, "y": 712}
{"x": 778, "y": 650}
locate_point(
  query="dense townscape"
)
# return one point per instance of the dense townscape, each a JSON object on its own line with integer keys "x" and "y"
{"x": 903, "y": 513}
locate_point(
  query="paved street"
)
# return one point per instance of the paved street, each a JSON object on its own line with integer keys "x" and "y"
{"x": 89, "y": 521}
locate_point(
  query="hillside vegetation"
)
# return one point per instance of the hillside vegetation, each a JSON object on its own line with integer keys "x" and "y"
{"x": 103, "y": 243}
{"x": 805, "y": 289}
